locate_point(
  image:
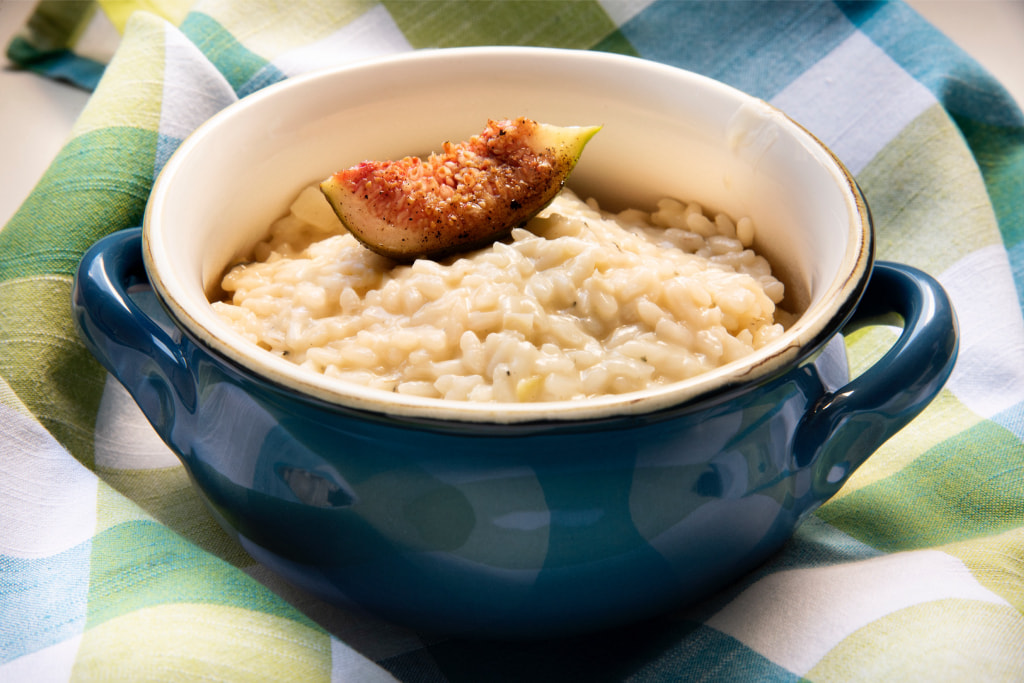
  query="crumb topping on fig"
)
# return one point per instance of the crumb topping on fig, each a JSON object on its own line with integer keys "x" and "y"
{"x": 470, "y": 194}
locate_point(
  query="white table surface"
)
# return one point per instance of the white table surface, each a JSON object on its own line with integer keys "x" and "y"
{"x": 36, "y": 114}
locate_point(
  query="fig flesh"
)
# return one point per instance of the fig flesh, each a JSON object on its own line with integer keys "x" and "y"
{"x": 471, "y": 194}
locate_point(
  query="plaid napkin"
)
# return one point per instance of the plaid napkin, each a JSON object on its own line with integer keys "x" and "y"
{"x": 111, "y": 569}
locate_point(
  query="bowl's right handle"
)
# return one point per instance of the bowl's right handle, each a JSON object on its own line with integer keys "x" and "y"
{"x": 848, "y": 425}
{"x": 130, "y": 343}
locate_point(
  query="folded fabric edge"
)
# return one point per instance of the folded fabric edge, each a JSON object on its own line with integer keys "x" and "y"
{"x": 46, "y": 44}
{"x": 61, "y": 65}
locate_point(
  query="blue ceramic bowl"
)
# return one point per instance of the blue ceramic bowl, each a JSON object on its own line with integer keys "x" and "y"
{"x": 524, "y": 520}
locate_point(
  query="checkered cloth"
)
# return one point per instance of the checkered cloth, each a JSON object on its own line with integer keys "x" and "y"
{"x": 110, "y": 568}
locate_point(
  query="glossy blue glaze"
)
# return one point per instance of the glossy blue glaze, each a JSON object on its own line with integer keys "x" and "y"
{"x": 529, "y": 530}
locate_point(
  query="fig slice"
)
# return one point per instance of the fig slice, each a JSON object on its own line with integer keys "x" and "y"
{"x": 472, "y": 194}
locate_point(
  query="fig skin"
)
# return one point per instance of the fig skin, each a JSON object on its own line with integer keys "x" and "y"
{"x": 470, "y": 195}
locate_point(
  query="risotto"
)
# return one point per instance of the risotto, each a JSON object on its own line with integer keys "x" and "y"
{"x": 580, "y": 303}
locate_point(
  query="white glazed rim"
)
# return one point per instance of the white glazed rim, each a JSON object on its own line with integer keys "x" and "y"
{"x": 814, "y": 327}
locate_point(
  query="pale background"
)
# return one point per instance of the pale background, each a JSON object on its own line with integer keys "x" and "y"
{"x": 36, "y": 114}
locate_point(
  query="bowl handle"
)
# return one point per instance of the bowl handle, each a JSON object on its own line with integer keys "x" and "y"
{"x": 848, "y": 425}
{"x": 130, "y": 343}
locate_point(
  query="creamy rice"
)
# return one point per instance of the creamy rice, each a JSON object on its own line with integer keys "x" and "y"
{"x": 582, "y": 303}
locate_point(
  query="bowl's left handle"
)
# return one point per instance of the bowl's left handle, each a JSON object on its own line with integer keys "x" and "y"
{"x": 135, "y": 348}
